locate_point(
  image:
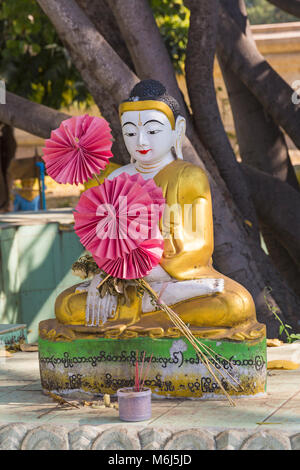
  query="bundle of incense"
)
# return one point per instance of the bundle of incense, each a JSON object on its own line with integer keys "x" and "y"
{"x": 196, "y": 344}
{"x": 176, "y": 320}
{"x": 139, "y": 382}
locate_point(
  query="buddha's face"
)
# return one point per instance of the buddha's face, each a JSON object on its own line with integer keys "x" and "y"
{"x": 148, "y": 135}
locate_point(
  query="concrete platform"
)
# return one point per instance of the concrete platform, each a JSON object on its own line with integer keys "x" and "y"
{"x": 31, "y": 420}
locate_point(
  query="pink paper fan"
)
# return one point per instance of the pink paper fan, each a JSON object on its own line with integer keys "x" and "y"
{"x": 78, "y": 149}
{"x": 154, "y": 191}
{"x": 137, "y": 264}
{"x": 114, "y": 218}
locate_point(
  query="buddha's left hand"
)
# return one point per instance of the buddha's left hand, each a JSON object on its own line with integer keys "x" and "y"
{"x": 98, "y": 310}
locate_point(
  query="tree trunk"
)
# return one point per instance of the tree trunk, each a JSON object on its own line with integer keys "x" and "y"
{"x": 90, "y": 52}
{"x": 290, "y": 6}
{"x": 141, "y": 34}
{"x": 236, "y": 253}
{"x": 7, "y": 152}
{"x": 266, "y": 85}
{"x": 240, "y": 258}
{"x": 281, "y": 258}
{"x": 199, "y": 75}
{"x": 103, "y": 19}
{"x": 223, "y": 258}
{"x": 231, "y": 240}
{"x": 95, "y": 59}
{"x": 268, "y": 151}
{"x": 145, "y": 44}
{"x": 278, "y": 205}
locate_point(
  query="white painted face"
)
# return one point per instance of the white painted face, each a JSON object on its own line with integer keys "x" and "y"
{"x": 148, "y": 135}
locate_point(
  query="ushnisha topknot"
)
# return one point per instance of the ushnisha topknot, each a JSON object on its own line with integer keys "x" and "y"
{"x": 151, "y": 94}
{"x": 146, "y": 88}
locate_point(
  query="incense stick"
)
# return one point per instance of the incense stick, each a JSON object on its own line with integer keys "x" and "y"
{"x": 188, "y": 334}
{"x": 103, "y": 281}
{"x": 97, "y": 179}
{"x": 146, "y": 371}
{"x": 136, "y": 372}
{"x": 178, "y": 322}
{"x": 208, "y": 349}
{"x": 142, "y": 366}
{"x": 200, "y": 354}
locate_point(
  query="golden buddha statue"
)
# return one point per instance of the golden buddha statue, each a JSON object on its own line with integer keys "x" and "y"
{"x": 213, "y": 305}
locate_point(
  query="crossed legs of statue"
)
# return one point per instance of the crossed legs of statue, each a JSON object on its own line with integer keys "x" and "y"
{"x": 231, "y": 312}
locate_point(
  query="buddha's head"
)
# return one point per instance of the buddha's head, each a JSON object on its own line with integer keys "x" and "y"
{"x": 152, "y": 125}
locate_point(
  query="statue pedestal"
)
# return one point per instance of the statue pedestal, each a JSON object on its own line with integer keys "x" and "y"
{"x": 88, "y": 368}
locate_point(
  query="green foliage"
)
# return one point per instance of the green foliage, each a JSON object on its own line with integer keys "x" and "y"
{"x": 172, "y": 18}
{"x": 283, "y": 328}
{"x": 33, "y": 61}
{"x": 262, "y": 12}
{"x": 35, "y": 64}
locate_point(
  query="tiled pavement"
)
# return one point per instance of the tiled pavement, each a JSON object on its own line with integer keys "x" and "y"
{"x": 31, "y": 420}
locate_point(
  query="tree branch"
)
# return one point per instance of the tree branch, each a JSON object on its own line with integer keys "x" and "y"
{"x": 268, "y": 151}
{"x": 199, "y": 75}
{"x": 7, "y": 152}
{"x": 103, "y": 18}
{"x": 290, "y": 6}
{"x": 226, "y": 261}
{"x": 278, "y": 205}
{"x": 90, "y": 51}
{"x": 99, "y": 75}
{"x": 110, "y": 111}
{"x": 238, "y": 255}
{"x": 267, "y": 86}
{"x": 31, "y": 117}
{"x": 234, "y": 256}
{"x": 281, "y": 258}
{"x": 145, "y": 43}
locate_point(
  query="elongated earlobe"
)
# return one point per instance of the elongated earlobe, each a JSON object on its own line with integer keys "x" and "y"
{"x": 180, "y": 127}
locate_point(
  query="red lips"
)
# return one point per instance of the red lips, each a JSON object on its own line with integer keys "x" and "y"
{"x": 143, "y": 152}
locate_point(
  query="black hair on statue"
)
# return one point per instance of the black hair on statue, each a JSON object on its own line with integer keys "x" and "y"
{"x": 154, "y": 90}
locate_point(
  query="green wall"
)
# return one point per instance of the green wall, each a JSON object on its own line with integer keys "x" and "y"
{"x": 35, "y": 266}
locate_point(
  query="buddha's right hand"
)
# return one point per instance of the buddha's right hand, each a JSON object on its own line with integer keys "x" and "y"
{"x": 98, "y": 310}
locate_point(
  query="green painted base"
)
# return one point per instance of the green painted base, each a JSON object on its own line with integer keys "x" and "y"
{"x": 98, "y": 366}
